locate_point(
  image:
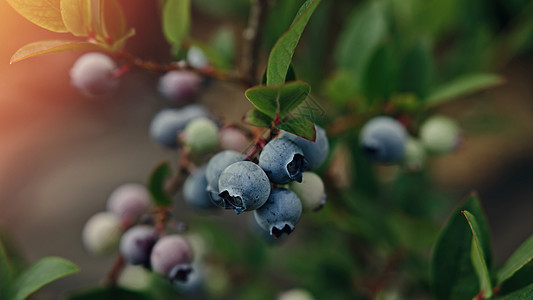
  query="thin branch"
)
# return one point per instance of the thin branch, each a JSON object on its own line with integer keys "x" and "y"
{"x": 252, "y": 41}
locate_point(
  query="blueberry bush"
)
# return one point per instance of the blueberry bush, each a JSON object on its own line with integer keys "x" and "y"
{"x": 327, "y": 174}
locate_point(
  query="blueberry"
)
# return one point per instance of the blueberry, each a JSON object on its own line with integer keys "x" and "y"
{"x": 383, "y": 140}
{"x": 283, "y": 161}
{"x": 243, "y": 186}
{"x": 194, "y": 283}
{"x": 195, "y": 191}
{"x": 137, "y": 243}
{"x": 310, "y": 191}
{"x": 233, "y": 139}
{"x": 201, "y": 135}
{"x": 92, "y": 74}
{"x": 440, "y": 134}
{"x": 179, "y": 86}
{"x": 101, "y": 233}
{"x": 172, "y": 256}
{"x": 129, "y": 201}
{"x": 280, "y": 213}
{"x": 314, "y": 152}
{"x": 167, "y": 123}
{"x": 196, "y": 58}
{"x": 215, "y": 166}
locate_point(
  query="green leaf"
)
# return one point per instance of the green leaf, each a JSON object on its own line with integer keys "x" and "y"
{"x": 278, "y": 101}
{"x": 257, "y": 118}
{"x": 5, "y": 274}
{"x": 380, "y": 74}
{"x": 176, "y": 21}
{"x": 518, "y": 259}
{"x": 291, "y": 75}
{"x": 452, "y": 273}
{"x": 76, "y": 15}
{"x": 478, "y": 256}
{"x": 291, "y": 96}
{"x": 45, "y": 14}
{"x": 108, "y": 293}
{"x": 462, "y": 86}
{"x": 53, "y": 46}
{"x": 519, "y": 280}
{"x": 416, "y": 70}
{"x": 341, "y": 86}
{"x": 156, "y": 184}
{"x": 299, "y": 126}
{"x": 40, "y": 274}
{"x": 282, "y": 52}
{"x": 264, "y": 99}
{"x": 363, "y": 32}
{"x": 522, "y": 294}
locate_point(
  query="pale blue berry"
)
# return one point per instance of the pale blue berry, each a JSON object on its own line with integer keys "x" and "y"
{"x": 195, "y": 191}
{"x": 136, "y": 244}
{"x": 383, "y": 139}
{"x": 243, "y": 186}
{"x": 283, "y": 161}
{"x": 171, "y": 256}
{"x": 179, "y": 86}
{"x": 215, "y": 166}
{"x": 167, "y": 123}
{"x": 280, "y": 213}
{"x": 92, "y": 74}
{"x": 314, "y": 152}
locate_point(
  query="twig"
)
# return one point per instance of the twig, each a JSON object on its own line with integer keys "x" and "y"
{"x": 115, "y": 271}
{"x": 252, "y": 41}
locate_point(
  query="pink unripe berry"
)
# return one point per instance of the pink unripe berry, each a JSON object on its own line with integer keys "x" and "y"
{"x": 92, "y": 74}
{"x": 129, "y": 201}
{"x": 180, "y": 86}
{"x": 169, "y": 252}
{"x": 233, "y": 139}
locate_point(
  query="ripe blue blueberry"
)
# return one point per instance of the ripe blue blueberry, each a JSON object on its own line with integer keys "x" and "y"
{"x": 283, "y": 161}
{"x": 280, "y": 213}
{"x": 167, "y": 123}
{"x": 215, "y": 166}
{"x": 179, "y": 86}
{"x": 136, "y": 244}
{"x": 171, "y": 256}
{"x": 383, "y": 139}
{"x": 195, "y": 191}
{"x": 92, "y": 74}
{"x": 129, "y": 202}
{"x": 243, "y": 186}
{"x": 314, "y": 152}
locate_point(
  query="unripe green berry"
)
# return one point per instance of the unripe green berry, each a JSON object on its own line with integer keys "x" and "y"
{"x": 136, "y": 278}
{"x": 415, "y": 155}
{"x": 440, "y": 134}
{"x": 296, "y": 294}
{"x": 101, "y": 234}
{"x": 311, "y": 191}
{"x": 201, "y": 135}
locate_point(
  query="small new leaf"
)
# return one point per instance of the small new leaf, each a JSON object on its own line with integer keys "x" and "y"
{"x": 478, "y": 256}
{"x": 76, "y": 16}
{"x": 278, "y": 101}
{"x": 299, "y": 126}
{"x": 53, "y": 46}
{"x": 291, "y": 96}
{"x": 282, "y": 52}
{"x": 257, "y": 118}
{"x": 40, "y": 274}
{"x": 522, "y": 256}
{"x": 176, "y": 21}
{"x": 156, "y": 184}
{"x": 46, "y": 14}
{"x": 264, "y": 99}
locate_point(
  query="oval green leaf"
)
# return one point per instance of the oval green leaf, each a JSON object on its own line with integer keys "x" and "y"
{"x": 40, "y": 274}
{"x": 176, "y": 21}
{"x": 282, "y": 52}
{"x": 156, "y": 184}
{"x": 256, "y": 118}
{"x": 299, "y": 126}
{"x": 522, "y": 256}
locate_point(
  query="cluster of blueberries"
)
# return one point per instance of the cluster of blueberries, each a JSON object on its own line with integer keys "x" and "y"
{"x": 386, "y": 141}
{"x": 168, "y": 255}
{"x": 278, "y": 187}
